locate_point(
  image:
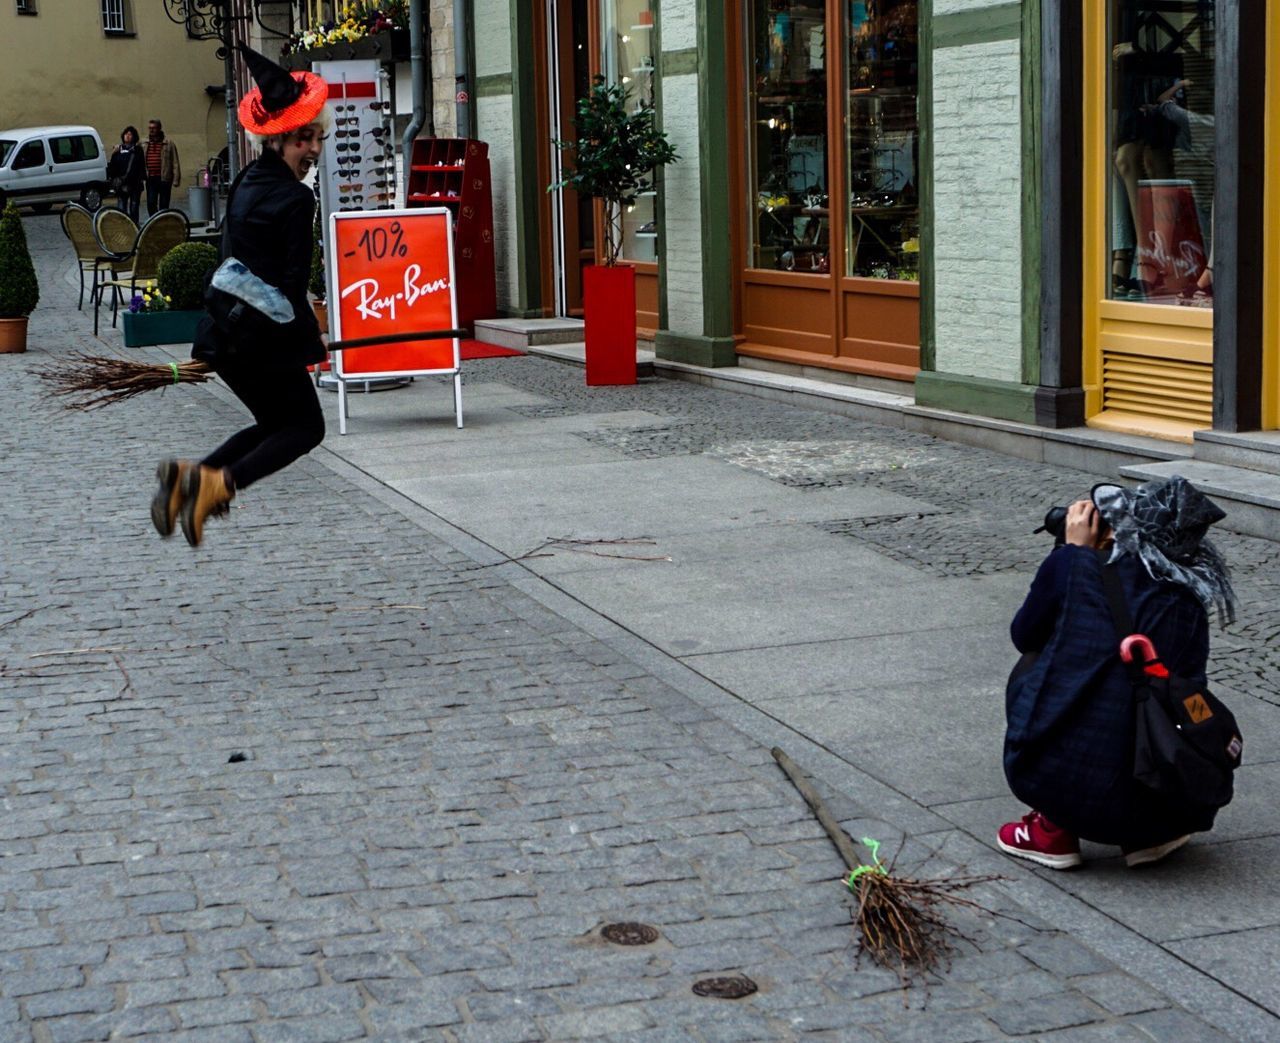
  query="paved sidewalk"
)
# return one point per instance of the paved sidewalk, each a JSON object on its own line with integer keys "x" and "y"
{"x": 457, "y": 766}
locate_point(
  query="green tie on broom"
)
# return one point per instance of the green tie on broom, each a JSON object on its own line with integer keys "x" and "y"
{"x": 92, "y": 381}
{"x": 900, "y": 919}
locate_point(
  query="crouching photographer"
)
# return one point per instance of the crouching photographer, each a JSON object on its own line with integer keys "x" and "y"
{"x": 1131, "y": 566}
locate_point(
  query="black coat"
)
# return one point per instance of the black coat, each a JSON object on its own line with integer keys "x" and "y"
{"x": 1069, "y": 745}
{"x": 130, "y": 165}
{"x": 269, "y": 229}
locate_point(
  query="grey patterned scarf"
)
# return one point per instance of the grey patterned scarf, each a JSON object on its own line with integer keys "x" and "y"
{"x": 1163, "y": 523}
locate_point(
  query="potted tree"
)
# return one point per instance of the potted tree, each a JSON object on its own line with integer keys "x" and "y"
{"x": 170, "y": 313}
{"x": 19, "y": 290}
{"x": 614, "y": 158}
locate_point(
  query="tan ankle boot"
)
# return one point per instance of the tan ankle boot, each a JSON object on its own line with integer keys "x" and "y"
{"x": 205, "y": 491}
{"x": 167, "y": 501}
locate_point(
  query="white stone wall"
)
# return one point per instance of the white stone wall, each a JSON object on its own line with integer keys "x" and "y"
{"x": 678, "y": 21}
{"x": 977, "y": 177}
{"x": 494, "y": 121}
{"x": 683, "y": 206}
{"x": 495, "y": 116}
{"x": 443, "y": 111}
{"x": 944, "y": 7}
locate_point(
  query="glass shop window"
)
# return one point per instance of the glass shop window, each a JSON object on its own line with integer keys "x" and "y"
{"x": 882, "y": 167}
{"x": 1160, "y": 162}
{"x": 787, "y": 136}
{"x": 629, "y": 58}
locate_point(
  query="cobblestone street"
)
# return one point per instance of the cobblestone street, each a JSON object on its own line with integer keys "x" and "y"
{"x": 347, "y": 772}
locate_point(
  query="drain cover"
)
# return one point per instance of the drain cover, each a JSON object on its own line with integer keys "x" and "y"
{"x": 629, "y": 933}
{"x": 725, "y": 988}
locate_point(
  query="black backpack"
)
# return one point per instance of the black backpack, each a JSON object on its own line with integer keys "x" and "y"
{"x": 1187, "y": 744}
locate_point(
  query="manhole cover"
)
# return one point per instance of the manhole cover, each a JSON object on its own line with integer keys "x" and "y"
{"x": 629, "y": 933}
{"x": 725, "y": 988}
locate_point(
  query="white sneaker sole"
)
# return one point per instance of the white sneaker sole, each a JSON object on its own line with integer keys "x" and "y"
{"x": 1153, "y": 854}
{"x": 1041, "y": 858}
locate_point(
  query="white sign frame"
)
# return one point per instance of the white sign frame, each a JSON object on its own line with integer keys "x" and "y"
{"x": 335, "y": 310}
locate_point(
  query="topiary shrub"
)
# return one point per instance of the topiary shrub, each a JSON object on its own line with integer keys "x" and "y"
{"x": 183, "y": 272}
{"x": 19, "y": 290}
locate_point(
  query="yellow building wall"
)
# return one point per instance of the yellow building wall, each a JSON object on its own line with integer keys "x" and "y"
{"x": 58, "y": 66}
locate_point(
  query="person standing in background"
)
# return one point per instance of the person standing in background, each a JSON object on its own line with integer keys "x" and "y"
{"x": 163, "y": 171}
{"x": 127, "y": 169}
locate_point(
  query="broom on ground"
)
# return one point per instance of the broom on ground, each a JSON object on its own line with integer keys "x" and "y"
{"x": 901, "y": 921}
{"x": 92, "y": 381}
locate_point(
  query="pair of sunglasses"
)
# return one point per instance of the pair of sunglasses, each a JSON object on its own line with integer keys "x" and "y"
{"x": 350, "y": 199}
{"x": 377, "y": 132}
{"x": 346, "y": 119}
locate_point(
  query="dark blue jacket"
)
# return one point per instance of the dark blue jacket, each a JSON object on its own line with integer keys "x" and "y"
{"x": 1069, "y": 744}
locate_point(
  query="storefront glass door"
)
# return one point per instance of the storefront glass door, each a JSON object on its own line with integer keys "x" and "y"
{"x": 788, "y": 137}
{"x": 1149, "y": 201}
{"x": 573, "y": 230}
{"x": 829, "y": 129}
{"x": 628, "y": 58}
{"x": 882, "y": 124}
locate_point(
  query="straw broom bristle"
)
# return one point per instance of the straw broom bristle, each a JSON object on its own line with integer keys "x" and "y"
{"x": 92, "y": 381}
{"x": 901, "y": 921}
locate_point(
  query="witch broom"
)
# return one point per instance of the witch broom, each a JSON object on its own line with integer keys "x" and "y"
{"x": 91, "y": 381}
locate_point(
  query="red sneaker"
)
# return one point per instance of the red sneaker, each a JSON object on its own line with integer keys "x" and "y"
{"x": 1037, "y": 839}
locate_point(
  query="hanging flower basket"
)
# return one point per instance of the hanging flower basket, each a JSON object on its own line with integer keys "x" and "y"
{"x": 390, "y": 45}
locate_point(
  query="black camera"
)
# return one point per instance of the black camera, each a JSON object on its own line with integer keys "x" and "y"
{"x": 1055, "y": 524}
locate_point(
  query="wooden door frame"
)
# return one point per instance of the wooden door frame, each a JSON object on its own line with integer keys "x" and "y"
{"x": 897, "y": 361}
{"x": 573, "y": 255}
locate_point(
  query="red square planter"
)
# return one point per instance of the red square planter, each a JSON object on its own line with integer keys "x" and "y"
{"x": 609, "y": 300}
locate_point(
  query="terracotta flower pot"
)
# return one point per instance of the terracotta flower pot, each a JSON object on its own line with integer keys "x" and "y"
{"x": 13, "y": 336}
{"x": 322, "y": 315}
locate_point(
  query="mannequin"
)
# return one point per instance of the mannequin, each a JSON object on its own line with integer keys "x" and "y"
{"x": 1143, "y": 140}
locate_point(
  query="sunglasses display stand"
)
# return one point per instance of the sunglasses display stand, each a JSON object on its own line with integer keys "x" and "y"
{"x": 454, "y": 173}
{"x": 357, "y": 166}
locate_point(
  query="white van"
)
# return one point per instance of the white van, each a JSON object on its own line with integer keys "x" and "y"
{"x": 40, "y": 166}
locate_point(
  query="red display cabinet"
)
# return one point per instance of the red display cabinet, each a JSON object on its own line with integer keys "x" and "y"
{"x": 454, "y": 173}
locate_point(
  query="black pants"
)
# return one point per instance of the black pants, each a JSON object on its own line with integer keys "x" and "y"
{"x": 289, "y": 422}
{"x": 130, "y": 202}
{"x": 158, "y": 193}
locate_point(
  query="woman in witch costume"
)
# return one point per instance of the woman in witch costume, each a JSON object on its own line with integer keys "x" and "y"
{"x": 268, "y": 228}
{"x": 1070, "y": 739}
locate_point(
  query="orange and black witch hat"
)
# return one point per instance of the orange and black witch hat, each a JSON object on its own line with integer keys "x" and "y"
{"x": 282, "y": 101}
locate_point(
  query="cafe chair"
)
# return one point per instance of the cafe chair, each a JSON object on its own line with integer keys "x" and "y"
{"x": 161, "y": 233}
{"x": 77, "y": 226}
{"x": 117, "y": 235}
